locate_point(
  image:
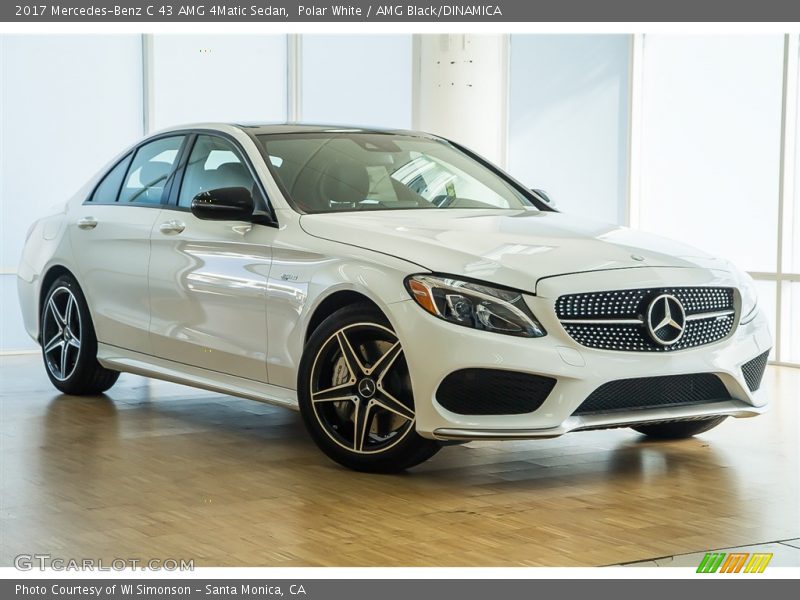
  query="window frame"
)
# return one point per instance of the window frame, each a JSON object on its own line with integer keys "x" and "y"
{"x": 128, "y": 156}
{"x": 170, "y": 182}
{"x": 131, "y": 155}
{"x": 183, "y": 160}
{"x": 518, "y": 186}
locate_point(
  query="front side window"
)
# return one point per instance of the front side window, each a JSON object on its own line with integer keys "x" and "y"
{"x": 214, "y": 163}
{"x": 108, "y": 190}
{"x": 150, "y": 170}
{"x": 329, "y": 172}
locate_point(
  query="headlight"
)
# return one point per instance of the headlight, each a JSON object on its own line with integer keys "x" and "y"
{"x": 747, "y": 288}
{"x": 474, "y": 305}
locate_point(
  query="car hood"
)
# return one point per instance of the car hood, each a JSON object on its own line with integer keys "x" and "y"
{"x": 511, "y": 248}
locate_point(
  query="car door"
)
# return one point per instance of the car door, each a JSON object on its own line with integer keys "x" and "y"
{"x": 110, "y": 237}
{"x": 208, "y": 279}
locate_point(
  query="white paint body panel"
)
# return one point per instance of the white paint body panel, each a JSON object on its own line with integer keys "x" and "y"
{"x": 113, "y": 270}
{"x": 207, "y": 289}
{"x": 226, "y": 306}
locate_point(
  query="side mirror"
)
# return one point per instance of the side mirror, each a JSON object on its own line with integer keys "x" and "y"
{"x": 542, "y": 195}
{"x": 224, "y": 204}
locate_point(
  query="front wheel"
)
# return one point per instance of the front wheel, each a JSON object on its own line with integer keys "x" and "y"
{"x": 354, "y": 391}
{"x": 69, "y": 345}
{"x": 678, "y": 429}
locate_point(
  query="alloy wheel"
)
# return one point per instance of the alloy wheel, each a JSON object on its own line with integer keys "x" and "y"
{"x": 361, "y": 390}
{"x": 61, "y": 333}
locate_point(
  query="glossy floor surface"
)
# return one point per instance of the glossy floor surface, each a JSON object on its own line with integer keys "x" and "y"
{"x": 154, "y": 470}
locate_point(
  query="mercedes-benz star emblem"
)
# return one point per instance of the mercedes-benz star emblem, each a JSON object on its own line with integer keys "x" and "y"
{"x": 366, "y": 387}
{"x": 666, "y": 320}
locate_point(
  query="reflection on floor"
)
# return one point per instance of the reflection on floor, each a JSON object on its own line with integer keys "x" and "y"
{"x": 155, "y": 470}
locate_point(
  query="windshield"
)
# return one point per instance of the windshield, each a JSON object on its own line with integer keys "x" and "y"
{"x": 334, "y": 172}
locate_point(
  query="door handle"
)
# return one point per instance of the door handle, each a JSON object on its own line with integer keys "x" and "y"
{"x": 171, "y": 226}
{"x": 87, "y": 223}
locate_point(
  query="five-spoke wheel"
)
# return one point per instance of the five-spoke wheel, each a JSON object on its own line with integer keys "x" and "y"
{"x": 355, "y": 393}
{"x": 69, "y": 345}
{"x": 61, "y": 333}
{"x": 360, "y": 389}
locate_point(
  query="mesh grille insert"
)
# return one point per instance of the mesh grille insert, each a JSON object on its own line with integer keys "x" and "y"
{"x": 654, "y": 392}
{"x": 493, "y": 392}
{"x": 580, "y": 313}
{"x": 753, "y": 371}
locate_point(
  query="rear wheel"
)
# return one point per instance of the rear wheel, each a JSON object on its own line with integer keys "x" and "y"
{"x": 69, "y": 345}
{"x": 678, "y": 429}
{"x": 355, "y": 396}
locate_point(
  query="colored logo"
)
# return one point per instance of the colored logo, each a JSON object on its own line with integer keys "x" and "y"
{"x": 734, "y": 562}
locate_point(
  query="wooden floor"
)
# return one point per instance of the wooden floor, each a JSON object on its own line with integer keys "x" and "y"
{"x": 155, "y": 470}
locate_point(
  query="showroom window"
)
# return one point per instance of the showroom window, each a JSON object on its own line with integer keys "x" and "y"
{"x": 714, "y": 162}
{"x": 787, "y": 276}
{"x": 568, "y": 120}
{"x": 374, "y": 89}
{"x": 150, "y": 170}
{"x": 221, "y": 78}
{"x": 214, "y": 163}
{"x": 710, "y": 146}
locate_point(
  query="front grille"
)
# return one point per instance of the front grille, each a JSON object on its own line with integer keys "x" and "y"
{"x": 654, "y": 392}
{"x": 616, "y": 320}
{"x": 753, "y": 371}
{"x": 493, "y": 392}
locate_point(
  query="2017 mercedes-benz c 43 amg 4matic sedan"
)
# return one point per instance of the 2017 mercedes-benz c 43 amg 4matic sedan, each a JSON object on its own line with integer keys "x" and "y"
{"x": 398, "y": 290}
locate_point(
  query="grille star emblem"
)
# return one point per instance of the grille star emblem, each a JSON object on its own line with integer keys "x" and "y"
{"x": 666, "y": 320}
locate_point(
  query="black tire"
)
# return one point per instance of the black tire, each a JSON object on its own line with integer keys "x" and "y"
{"x": 66, "y": 326}
{"x": 676, "y": 430}
{"x": 360, "y": 335}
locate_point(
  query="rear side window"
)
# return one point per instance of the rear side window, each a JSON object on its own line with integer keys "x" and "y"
{"x": 107, "y": 191}
{"x": 150, "y": 170}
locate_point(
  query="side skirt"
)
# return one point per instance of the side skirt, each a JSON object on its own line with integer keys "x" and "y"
{"x": 128, "y": 361}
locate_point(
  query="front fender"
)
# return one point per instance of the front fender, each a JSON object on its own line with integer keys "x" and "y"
{"x": 301, "y": 280}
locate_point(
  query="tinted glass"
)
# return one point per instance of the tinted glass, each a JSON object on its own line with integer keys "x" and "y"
{"x": 149, "y": 171}
{"x": 214, "y": 163}
{"x": 107, "y": 191}
{"x": 361, "y": 171}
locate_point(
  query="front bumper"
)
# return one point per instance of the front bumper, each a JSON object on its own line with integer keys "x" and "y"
{"x": 435, "y": 348}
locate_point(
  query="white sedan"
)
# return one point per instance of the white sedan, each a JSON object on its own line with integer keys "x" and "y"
{"x": 397, "y": 289}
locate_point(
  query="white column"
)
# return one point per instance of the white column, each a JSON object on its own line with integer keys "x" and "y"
{"x": 461, "y": 90}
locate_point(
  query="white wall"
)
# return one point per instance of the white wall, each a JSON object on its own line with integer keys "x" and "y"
{"x": 568, "y": 120}
{"x": 69, "y": 104}
{"x": 237, "y": 78}
{"x": 361, "y": 80}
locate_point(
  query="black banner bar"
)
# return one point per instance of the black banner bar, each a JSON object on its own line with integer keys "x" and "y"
{"x": 299, "y": 11}
{"x": 744, "y": 587}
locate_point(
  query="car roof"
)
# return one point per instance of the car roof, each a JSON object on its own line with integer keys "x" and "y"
{"x": 288, "y": 128}
{"x": 256, "y": 129}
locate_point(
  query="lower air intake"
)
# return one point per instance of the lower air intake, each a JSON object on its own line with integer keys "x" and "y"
{"x": 654, "y": 392}
{"x": 753, "y": 371}
{"x": 493, "y": 392}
